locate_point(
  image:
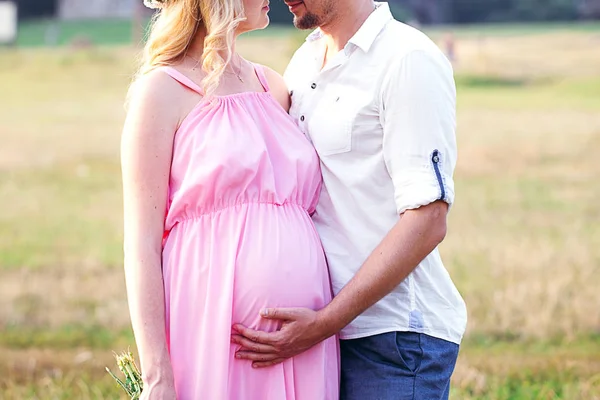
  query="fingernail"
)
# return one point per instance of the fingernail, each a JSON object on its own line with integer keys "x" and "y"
{"x": 237, "y": 355}
{"x": 264, "y": 313}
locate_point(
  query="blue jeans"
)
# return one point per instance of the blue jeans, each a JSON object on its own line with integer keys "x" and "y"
{"x": 397, "y": 366}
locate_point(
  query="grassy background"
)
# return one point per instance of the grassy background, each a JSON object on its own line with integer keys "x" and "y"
{"x": 119, "y": 31}
{"x": 523, "y": 245}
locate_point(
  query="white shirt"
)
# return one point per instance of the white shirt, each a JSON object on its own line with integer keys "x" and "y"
{"x": 381, "y": 115}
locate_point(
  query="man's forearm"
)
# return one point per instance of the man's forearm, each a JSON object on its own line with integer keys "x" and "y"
{"x": 413, "y": 237}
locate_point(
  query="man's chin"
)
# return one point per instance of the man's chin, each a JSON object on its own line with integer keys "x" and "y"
{"x": 304, "y": 23}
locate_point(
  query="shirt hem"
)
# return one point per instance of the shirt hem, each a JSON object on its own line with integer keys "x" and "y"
{"x": 361, "y": 335}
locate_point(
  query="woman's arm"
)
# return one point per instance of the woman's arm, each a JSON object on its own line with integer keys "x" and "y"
{"x": 146, "y": 148}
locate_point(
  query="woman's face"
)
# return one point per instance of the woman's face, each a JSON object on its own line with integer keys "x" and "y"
{"x": 256, "y": 15}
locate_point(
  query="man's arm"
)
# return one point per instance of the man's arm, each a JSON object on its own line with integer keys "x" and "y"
{"x": 415, "y": 235}
{"x": 418, "y": 116}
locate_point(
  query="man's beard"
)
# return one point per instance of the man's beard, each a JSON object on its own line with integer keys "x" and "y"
{"x": 311, "y": 20}
{"x": 307, "y": 21}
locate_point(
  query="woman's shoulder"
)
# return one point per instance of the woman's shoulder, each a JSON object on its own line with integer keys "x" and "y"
{"x": 155, "y": 96}
{"x": 154, "y": 86}
{"x": 278, "y": 87}
{"x": 161, "y": 93}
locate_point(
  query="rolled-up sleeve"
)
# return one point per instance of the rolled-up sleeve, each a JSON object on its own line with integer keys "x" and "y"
{"x": 418, "y": 115}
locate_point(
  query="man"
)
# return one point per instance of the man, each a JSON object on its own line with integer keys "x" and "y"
{"x": 377, "y": 99}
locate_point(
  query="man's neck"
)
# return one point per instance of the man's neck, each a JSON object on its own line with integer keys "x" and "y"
{"x": 346, "y": 23}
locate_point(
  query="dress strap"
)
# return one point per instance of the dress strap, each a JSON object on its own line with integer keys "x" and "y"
{"x": 181, "y": 78}
{"x": 260, "y": 73}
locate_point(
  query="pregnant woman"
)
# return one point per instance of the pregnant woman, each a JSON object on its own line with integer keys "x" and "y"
{"x": 208, "y": 139}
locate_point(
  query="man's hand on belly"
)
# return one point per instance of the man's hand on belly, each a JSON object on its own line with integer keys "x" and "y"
{"x": 301, "y": 329}
{"x": 415, "y": 236}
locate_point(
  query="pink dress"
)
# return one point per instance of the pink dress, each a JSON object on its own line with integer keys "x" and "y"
{"x": 239, "y": 237}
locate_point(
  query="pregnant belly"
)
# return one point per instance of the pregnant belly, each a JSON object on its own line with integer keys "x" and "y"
{"x": 280, "y": 263}
{"x": 225, "y": 267}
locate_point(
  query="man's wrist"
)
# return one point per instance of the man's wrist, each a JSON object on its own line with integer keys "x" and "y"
{"x": 329, "y": 323}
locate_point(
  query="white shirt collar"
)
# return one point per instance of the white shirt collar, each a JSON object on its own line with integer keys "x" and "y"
{"x": 369, "y": 30}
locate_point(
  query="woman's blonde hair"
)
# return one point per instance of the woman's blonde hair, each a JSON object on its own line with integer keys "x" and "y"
{"x": 174, "y": 27}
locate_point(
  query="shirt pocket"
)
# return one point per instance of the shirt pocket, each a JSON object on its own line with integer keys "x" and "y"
{"x": 332, "y": 123}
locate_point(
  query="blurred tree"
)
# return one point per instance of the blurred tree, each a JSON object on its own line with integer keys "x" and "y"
{"x": 280, "y": 13}
{"x": 544, "y": 10}
{"x": 402, "y": 12}
{"x": 425, "y": 11}
{"x": 431, "y": 11}
{"x": 589, "y": 8}
{"x": 471, "y": 11}
{"x": 36, "y": 8}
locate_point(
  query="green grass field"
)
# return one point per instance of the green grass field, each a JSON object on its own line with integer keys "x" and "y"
{"x": 119, "y": 31}
{"x": 523, "y": 245}
{"x": 99, "y": 32}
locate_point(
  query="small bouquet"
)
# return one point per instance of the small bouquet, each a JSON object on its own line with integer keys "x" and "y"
{"x": 133, "y": 384}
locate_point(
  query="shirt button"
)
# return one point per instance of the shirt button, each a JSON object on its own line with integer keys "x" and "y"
{"x": 313, "y": 86}
{"x": 302, "y": 118}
